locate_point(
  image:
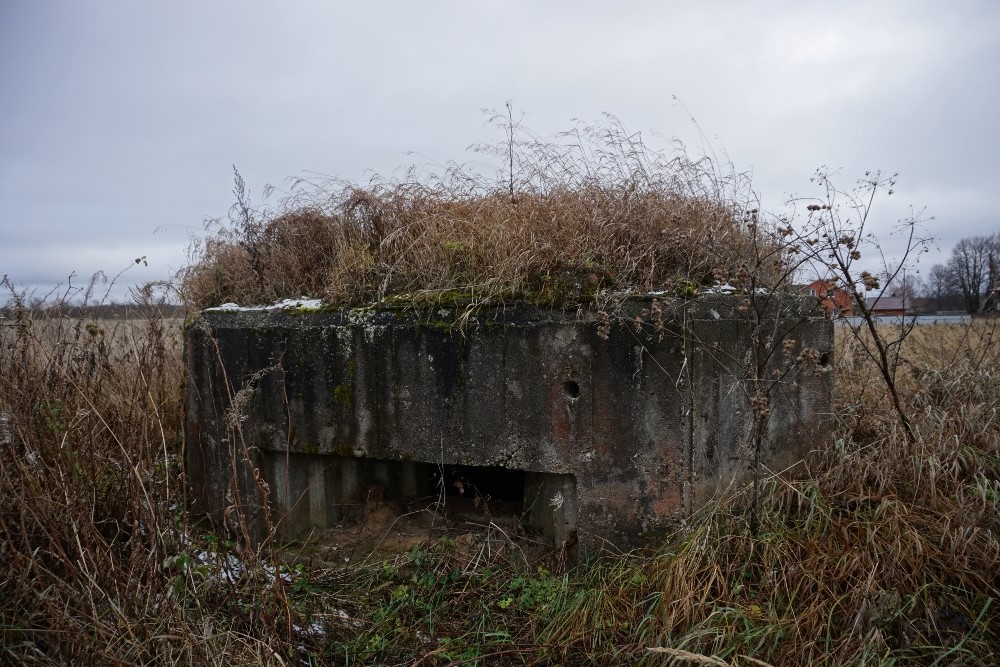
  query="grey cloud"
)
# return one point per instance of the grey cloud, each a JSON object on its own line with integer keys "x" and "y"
{"x": 120, "y": 119}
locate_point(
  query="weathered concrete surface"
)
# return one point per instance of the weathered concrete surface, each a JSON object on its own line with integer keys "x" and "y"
{"x": 623, "y": 429}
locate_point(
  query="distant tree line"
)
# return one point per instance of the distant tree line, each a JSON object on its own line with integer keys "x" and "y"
{"x": 124, "y": 311}
{"x": 968, "y": 281}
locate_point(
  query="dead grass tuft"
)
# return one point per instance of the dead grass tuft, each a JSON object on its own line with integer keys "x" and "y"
{"x": 591, "y": 209}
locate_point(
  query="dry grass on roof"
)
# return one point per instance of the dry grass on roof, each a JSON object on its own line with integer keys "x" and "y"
{"x": 557, "y": 221}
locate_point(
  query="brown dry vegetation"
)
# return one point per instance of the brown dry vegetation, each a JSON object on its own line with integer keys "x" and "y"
{"x": 886, "y": 554}
{"x": 592, "y": 209}
{"x": 891, "y": 552}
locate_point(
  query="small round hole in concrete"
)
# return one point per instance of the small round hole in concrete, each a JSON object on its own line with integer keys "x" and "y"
{"x": 571, "y": 389}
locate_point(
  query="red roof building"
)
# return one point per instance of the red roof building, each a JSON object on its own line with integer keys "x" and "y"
{"x": 886, "y": 305}
{"x": 836, "y": 301}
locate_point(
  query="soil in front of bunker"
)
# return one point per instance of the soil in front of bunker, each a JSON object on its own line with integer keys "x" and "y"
{"x": 381, "y": 529}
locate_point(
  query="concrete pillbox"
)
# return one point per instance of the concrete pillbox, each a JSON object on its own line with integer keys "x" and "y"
{"x": 608, "y": 427}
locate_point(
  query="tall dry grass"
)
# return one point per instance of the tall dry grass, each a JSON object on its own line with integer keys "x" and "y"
{"x": 593, "y": 208}
{"x": 887, "y": 553}
{"x": 93, "y": 494}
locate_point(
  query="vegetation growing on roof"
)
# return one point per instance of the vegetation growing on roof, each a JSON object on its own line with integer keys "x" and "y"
{"x": 555, "y": 223}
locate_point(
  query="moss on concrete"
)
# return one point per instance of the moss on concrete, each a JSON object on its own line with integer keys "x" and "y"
{"x": 343, "y": 396}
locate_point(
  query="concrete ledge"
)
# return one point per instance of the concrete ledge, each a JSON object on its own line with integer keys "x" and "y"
{"x": 620, "y": 429}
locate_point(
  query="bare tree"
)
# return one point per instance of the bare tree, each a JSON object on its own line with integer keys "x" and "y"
{"x": 906, "y": 285}
{"x": 973, "y": 265}
{"x": 940, "y": 288}
{"x": 833, "y": 238}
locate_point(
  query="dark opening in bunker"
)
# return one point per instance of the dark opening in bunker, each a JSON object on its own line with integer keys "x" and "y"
{"x": 571, "y": 389}
{"x": 487, "y": 483}
{"x": 323, "y": 490}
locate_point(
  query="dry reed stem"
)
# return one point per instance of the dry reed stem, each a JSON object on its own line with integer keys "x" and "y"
{"x": 687, "y": 656}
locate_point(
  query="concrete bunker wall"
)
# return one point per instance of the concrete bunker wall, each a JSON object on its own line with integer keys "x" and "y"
{"x": 617, "y": 430}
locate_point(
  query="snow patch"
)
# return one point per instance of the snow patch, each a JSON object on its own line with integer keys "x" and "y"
{"x": 724, "y": 288}
{"x": 305, "y": 303}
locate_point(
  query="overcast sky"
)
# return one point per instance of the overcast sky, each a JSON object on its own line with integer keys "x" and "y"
{"x": 121, "y": 120}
